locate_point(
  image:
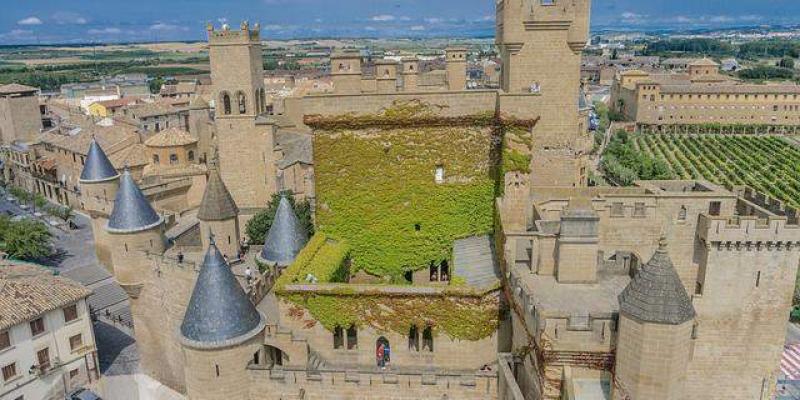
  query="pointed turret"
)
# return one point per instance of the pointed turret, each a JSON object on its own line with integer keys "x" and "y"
{"x": 656, "y": 294}
{"x": 219, "y": 312}
{"x": 286, "y": 237}
{"x": 219, "y": 214}
{"x": 97, "y": 167}
{"x": 656, "y": 329}
{"x": 132, "y": 211}
{"x": 217, "y": 204}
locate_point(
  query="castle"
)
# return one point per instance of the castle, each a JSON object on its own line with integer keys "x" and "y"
{"x": 457, "y": 253}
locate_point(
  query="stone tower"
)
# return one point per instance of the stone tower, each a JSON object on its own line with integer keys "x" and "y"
{"x": 410, "y": 74}
{"x": 238, "y": 75}
{"x": 540, "y": 44}
{"x": 200, "y": 127}
{"x": 456, "y": 60}
{"x": 220, "y": 333}
{"x": 346, "y": 72}
{"x": 135, "y": 230}
{"x": 218, "y": 216}
{"x": 99, "y": 182}
{"x": 656, "y": 324}
{"x": 285, "y": 237}
{"x": 20, "y": 117}
{"x": 386, "y": 76}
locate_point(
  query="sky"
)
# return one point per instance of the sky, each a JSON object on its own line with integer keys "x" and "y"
{"x": 82, "y": 21}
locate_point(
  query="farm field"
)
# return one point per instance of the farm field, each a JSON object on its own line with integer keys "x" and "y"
{"x": 769, "y": 164}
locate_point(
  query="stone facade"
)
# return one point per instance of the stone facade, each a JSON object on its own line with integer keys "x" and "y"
{"x": 20, "y": 116}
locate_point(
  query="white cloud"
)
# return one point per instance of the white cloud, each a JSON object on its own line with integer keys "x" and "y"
{"x": 105, "y": 31}
{"x": 383, "y": 18}
{"x": 434, "y": 20}
{"x": 69, "y": 18}
{"x": 18, "y": 34}
{"x": 161, "y": 26}
{"x": 405, "y": 18}
{"x": 417, "y": 28}
{"x": 30, "y": 21}
{"x": 631, "y": 15}
{"x": 370, "y": 28}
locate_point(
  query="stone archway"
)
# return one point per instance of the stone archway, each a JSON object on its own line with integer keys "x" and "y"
{"x": 382, "y": 352}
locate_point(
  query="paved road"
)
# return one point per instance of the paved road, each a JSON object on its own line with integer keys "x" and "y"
{"x": 75, "y": 259}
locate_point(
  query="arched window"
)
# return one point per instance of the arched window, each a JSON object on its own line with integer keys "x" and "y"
{"x": 341, "y": 67}
{"x": 682, "y": 214}
{"x": 191, "y": 155}
{"x": 226, "y": 103}
{"x": 173, "y": 158}
{"x": 427, "y": 339}
{"x": 242, "y": 103}
{"x": 155, "y": 159}
{"x": 263, "y": 94}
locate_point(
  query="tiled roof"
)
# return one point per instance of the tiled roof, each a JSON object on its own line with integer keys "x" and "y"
{"x": 656, "y": 294}
{"x": 16, "y": 88}
{"x": 171, "y": 137}
{"x": 219, "y": 311}
{"x": 118, "y": 102}
{"x": 133, "y": 156}
{"x": 705, "y": 62}
{"x": 109, "y": 138}
{"x": 474, "y": 261}
{"x": 132, "y": 211}
{"x": 296, "y": 148}
{"x": 285, "y": 237}
{"x": 28, "y": 291}
{"x": 150, "y": 110}
{"x": 217, "y": 204}
{"x": 730, "y": 89}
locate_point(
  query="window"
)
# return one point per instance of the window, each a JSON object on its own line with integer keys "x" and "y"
{"x": 173, "y": 159}
{"x": 715, "y": 208}
{"x": 156, "y": 160}
{"x": 37, "y": 326}
{"x": 74, "y": 373}
{"x": 242, "y": 103}
{"x": 617, "y": 209}
{"x": 70, "y": 313}
{"x": 9, "y": 372}
{"x": 43, "y": 359}
{"x": 338, "y": 337}
{"x": 226, "y": 104}
{"x": 75, "y": 342}
{"x": 5, "y": 340}
{"x": 413, "y": 338}
{"x": 548, "y": 2}
{"x": 352, "y": 338}
{"x": 158, "y": 127}
{"x": 758, "y": 278}
{"x": 427, "y": 339}
{"x": 439, "y": 175}
{"x": 682, "y": 214}
{"x": 191, "y": 156}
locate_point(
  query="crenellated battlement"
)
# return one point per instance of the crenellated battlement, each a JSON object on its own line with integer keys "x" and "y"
{"x": 749, "y": 231}
{"x": 245, "y": 35}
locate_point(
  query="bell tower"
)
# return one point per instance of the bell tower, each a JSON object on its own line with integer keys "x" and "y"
{"x": 540, "y": 43}
{"x": 237, "y": 73}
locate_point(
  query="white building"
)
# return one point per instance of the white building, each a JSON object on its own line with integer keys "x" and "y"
{"x": 47, "y": 345}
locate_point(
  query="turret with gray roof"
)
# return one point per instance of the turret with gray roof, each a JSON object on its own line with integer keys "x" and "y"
{"x": 219, "y": 312}
{"x": 286, "y": 237}
{"x": 217, "y": 204}
{"x": 97, "y": 167}
{"x": 656, "y": 294}
{"x": 132, "y": 211}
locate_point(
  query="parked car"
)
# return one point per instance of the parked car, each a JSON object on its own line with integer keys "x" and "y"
{"x": 83, "y": 394}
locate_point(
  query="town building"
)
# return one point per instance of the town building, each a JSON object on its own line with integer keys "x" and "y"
{"x": 47, "y": 346}
{"x": 703, "y": 100}
{"x": 20, "y": 114}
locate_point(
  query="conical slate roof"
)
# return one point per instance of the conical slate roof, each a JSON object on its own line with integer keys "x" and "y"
{"x": 132, "y": 212}
{"x": 217, "y": 204}
{"x": 656, "y": 294}
{"x": 285, "y": 237}
{"x": 219, "y": 311}
{"x": 97, "y": 167}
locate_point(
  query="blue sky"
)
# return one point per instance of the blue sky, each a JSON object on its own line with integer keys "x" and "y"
{"x": 63, "y": 21}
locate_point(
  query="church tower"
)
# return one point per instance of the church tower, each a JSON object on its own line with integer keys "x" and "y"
{"x": 99, "y": 182}
{"x": 656, "y": 324}
{"x": 540, "y": 42}
{"x": 237, "y": 73}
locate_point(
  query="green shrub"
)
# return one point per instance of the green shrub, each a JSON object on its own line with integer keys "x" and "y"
{"x": 25, "y": 239}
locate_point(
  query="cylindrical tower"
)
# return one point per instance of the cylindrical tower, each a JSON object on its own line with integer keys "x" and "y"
{"x": 99, "y": 182}
{"x": 655, "y": 333}
{"x": 135, "y": 230}
{"x": 218, "y": 216}
{"x": 220, "y": 333}
{"x": 285, "y": 237}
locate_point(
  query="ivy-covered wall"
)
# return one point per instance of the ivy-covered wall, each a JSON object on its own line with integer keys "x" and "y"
{"x": 376, "y": 189}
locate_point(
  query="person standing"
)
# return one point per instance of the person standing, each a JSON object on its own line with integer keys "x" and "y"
{"x": 379, "y": 356}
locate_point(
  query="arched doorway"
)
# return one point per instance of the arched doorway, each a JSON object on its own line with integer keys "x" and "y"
{"x": 382, "y": 352}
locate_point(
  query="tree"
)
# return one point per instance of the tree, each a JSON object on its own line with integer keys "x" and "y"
{"x": 786, "y": 62}
{"x": 25, "y": 239}
{"x": 259, "y": 225}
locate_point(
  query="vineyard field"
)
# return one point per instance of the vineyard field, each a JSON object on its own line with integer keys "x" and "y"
{"x": 768, "y": 164}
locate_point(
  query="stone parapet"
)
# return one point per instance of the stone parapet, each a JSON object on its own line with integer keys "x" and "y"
{"x": 773, "y": 231}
